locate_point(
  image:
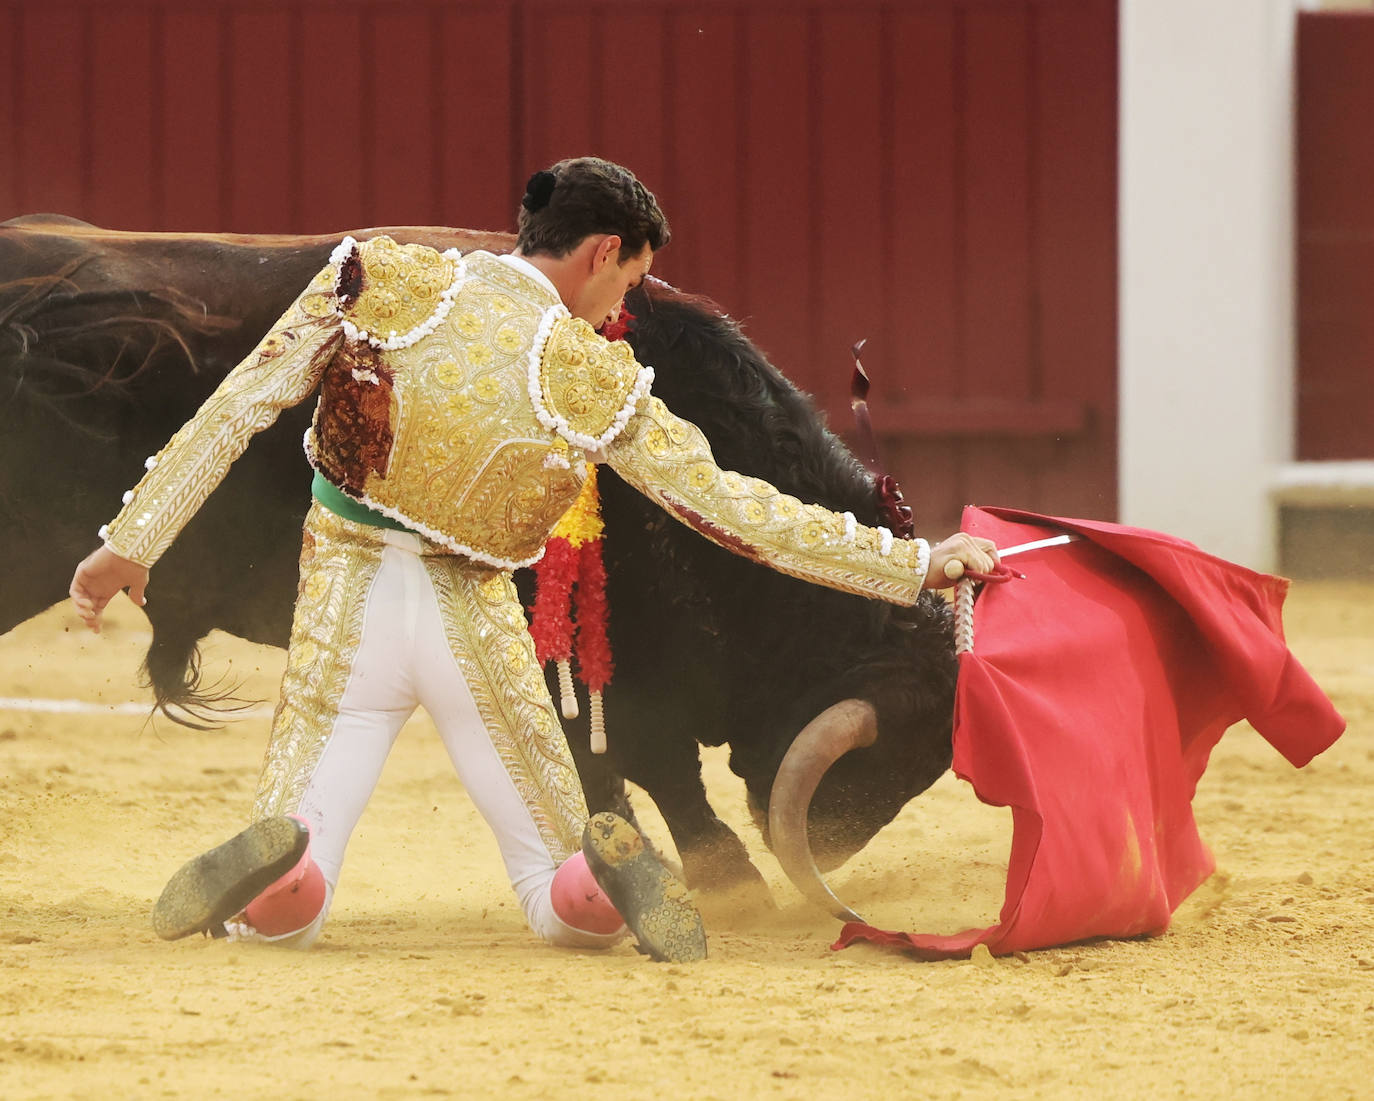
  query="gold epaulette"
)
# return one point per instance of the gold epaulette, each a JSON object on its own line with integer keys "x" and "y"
{"x": 589, "y": 386}
{"x": 391, "y": 295}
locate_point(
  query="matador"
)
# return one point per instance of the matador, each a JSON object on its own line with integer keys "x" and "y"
{"x": 460, "y": 398}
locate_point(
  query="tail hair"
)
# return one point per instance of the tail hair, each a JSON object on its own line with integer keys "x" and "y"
{"x": 60, "y": 344}
{"x": 172, "y": 669}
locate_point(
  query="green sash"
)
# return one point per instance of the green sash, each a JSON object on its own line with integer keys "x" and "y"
{"x": 341, "y": 504}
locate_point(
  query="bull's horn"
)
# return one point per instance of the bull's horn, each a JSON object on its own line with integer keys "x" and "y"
{"x": 841, "y": 727}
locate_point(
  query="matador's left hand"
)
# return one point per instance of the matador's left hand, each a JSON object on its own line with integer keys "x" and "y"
{"x": 101, "y": 574}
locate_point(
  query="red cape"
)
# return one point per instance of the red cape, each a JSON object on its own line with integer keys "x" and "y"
{"x": 1092, "y": 698}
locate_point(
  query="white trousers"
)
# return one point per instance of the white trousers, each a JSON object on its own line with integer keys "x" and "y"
{"x": 404, "y": 661}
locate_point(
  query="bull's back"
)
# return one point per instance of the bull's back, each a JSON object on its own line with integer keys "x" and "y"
{"x": 109, "y": 341}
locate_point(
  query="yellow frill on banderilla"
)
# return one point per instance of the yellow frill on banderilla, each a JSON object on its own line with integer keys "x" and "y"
{"x": 582, "y": 523}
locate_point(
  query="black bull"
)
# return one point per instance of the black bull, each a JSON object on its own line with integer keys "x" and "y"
{"x": 109, "y": 341}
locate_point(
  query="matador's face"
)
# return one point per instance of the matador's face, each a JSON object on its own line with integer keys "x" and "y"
{"x": 603, "y": 294}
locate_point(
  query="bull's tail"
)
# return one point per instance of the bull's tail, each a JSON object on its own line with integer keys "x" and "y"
{"x": 60, "y": 344}
{"x": 172, "y": 669}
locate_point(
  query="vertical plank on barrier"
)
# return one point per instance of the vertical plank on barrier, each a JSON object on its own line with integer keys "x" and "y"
{"x": 633, "y": 95}
{"x": 51, "y": 144}
{"x": 852, "y": 172}
{"x": 262, "y": 180}
{"x": 921, "y": 359}
{"x": 478, "y": 117}
{"x": 1075, "y": 281}
{"x": 11, "y": 97}
{"x": 1335, "y": 246}
{"x": 194, "y": 138}
{"x": 404, "y": 94}
{"x": 702, "y": 191}
{"x": 329, "y": 142}
{"x": 997, "y": 151}
{"x": 998, "y": 148}
{"x": 125, "y": 183}
{"x": 776, "y": 223}
{"x": 563, "y": 71}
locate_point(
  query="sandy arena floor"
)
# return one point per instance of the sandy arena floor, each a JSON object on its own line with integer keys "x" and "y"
{"x": 427, "y": 983}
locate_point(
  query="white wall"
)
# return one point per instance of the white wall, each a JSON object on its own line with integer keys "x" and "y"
{"x": 1206, "y": 286}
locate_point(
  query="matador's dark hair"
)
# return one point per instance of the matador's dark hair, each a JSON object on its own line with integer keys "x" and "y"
{"x": 576, "y": 198}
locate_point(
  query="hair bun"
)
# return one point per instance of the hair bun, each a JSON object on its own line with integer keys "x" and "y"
{"x": 539, "y": 190}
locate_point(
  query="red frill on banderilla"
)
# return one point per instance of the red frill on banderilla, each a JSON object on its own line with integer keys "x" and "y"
{"x": 573, "y": 561}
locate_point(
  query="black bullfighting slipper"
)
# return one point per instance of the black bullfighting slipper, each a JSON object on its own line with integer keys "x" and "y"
{"x": 654, "y": 903}
{"x": 212, "y": 888}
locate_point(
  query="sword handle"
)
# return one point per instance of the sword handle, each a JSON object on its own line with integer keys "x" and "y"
{"x": 963, "y": 616}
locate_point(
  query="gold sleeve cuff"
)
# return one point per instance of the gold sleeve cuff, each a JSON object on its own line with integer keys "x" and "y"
{"x": 670, "y": 461}
{"x": 280, "y": 372}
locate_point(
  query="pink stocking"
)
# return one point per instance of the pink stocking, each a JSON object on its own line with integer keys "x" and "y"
{"x": 293, "y": 901}
{"x": 579, "y": 901}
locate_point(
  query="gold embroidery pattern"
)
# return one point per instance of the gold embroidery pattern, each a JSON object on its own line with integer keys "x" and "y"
{"x": 585, "y": 379}
{"x": 490, "y": 640}
{"x": 402, "y": 286}
{"x": 281, "y": 371}
{"x": 470, "y": 462}
{"x": 670, "y": 460}
{"x": 339, "y": 560}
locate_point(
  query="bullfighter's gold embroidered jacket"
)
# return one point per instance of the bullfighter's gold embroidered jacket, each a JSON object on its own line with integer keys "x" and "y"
{"x": 458, "y": 396}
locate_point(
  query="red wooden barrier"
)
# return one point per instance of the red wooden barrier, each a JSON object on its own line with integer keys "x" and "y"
{"x": 938, "y": 176}
{"x": 1335, "y": 248}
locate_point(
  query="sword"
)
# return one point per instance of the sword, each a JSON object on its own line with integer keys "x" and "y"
{"x": 1052, "y": 541}
{"x": 955, "y": 569}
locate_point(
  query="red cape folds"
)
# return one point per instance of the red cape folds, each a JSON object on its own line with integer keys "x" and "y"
{"x": 1092, "y": 698}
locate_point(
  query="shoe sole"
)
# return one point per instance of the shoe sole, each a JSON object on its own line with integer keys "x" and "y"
{"x": 212, "y": 888}
{"x": 654, "y": 903}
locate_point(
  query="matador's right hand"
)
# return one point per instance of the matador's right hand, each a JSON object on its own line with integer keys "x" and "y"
{"x": 959, "y": 553}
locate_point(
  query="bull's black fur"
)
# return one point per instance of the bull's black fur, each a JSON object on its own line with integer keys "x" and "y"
{"x": 709, "y": 647}
{"x": 93, "y": 372}
{"x": 713, "y": 648}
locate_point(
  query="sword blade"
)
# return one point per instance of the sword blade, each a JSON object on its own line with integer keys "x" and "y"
{"x": 1021, "y": 548}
